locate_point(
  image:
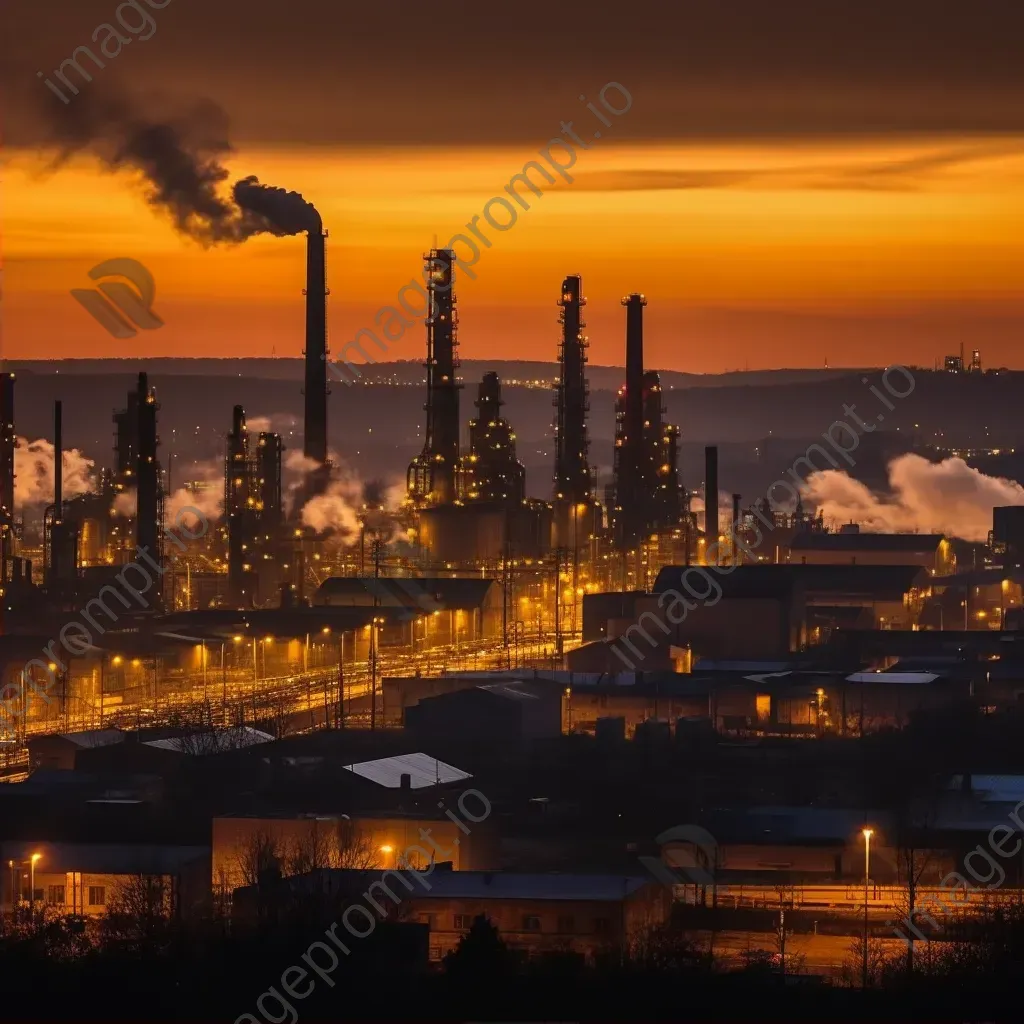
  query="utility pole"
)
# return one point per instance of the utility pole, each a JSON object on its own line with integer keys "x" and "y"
{"x": 376, "y": 550}
{"x": 558, "y": 609}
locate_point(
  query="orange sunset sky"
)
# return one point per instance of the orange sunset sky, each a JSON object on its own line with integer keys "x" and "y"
{"x": 813, "y": 220}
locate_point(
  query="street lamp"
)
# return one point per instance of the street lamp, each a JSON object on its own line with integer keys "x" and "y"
{"x": 867, "y": 833}
{"x": 32, "y": 883}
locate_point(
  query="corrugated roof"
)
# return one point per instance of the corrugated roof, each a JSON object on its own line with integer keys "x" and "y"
{"x": 215, "y": 742}
{"x": 424, "y": 771}
{"x": 94, "y": 737}
{"x": 512, "y": 691}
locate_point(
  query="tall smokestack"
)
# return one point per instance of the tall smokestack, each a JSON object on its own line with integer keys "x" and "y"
{"x": 433, "y": 476}
{"x": 315, "y": 426}
{"x": 711, "y": 503}
{"x": 147, "y": 474}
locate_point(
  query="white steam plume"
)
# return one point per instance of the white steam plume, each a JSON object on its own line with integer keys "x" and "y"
{"x": 926, "y": 497}
{"x": 276, "y": 423}
{"x": 724, "y": 511}
{"x": 205, "y": 491}
{"x": 33, "y": 469}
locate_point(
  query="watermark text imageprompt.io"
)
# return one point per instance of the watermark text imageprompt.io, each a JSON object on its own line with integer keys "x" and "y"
{"x": 500, "y": 215}
{"x": 77, "y": 639}
{"x": 321, "y": 957}
{"x": 699, "y": 581}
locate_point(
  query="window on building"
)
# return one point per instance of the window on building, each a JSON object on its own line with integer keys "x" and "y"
{"x": 567, "y": 924}
{"x": 56, "y": 895}
{"x": 435, "y": 952}
{"x": 97, "y": 895}
{"x": 531, "y": 923}
{"x": 38, "y": 895}
{"x": 602, "y": 925}
{"x": 463, "y": 922}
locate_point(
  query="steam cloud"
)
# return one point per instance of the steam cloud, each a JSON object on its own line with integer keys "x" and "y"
{"x": 179, "y": 161}
{"x": 946, "y": 497}
{"x": 208, "y": 496}
{"x": 33, "y": 469}
{"x": 339, "y": 510}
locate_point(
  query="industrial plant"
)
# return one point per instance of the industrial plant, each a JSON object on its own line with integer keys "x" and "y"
{"x": 258, "y": 611}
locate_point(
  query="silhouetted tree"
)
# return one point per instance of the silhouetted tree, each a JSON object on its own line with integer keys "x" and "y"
{"x": 480, "y": 955}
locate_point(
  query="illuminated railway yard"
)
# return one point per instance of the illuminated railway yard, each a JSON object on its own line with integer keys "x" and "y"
{"x": 285, "y": 700}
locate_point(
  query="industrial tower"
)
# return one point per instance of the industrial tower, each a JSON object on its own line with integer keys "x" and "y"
{"x": 647, "y": 495}
{"x": 433, "y": 475}
{"x": 573, "y": 479}
{"x": 491, "y": 470}
{"x": 316, "y": 390}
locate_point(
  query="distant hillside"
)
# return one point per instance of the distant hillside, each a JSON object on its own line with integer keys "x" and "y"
{"x": 407, "y": 371}
{"x": 761, "y": 420}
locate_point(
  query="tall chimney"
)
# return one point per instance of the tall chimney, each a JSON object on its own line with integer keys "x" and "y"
{"x": 315, "y": 425}
{"x": 58, "y": 462}
{"x": 711, "y": 503}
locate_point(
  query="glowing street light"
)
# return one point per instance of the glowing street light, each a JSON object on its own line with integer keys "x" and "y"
{"x": 32, "y": 882}
{"x": 867, "y": 833}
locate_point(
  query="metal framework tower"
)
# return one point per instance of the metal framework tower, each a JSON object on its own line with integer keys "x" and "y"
{"x": 573, "y": 478}
{"x": 492, "y": 471}
{"x": 433, "y": 474}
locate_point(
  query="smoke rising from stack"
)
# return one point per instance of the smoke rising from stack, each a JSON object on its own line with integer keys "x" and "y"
{"x": 179, "y": 160}
{"x": 34, "y": 463}
{"x": 946, "y": 497}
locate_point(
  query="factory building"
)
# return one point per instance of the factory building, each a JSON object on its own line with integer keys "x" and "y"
{"x": 752, "y": 611}
{"x": 434, "y": 610}
{"x": 851, "y": 547}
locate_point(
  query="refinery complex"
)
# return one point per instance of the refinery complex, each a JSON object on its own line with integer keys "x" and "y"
{"x": 253, "y": 613}
{"x": 129, "y": 608}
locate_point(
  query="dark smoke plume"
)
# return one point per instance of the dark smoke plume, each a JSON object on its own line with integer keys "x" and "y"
{"x": 178, "y": 160}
